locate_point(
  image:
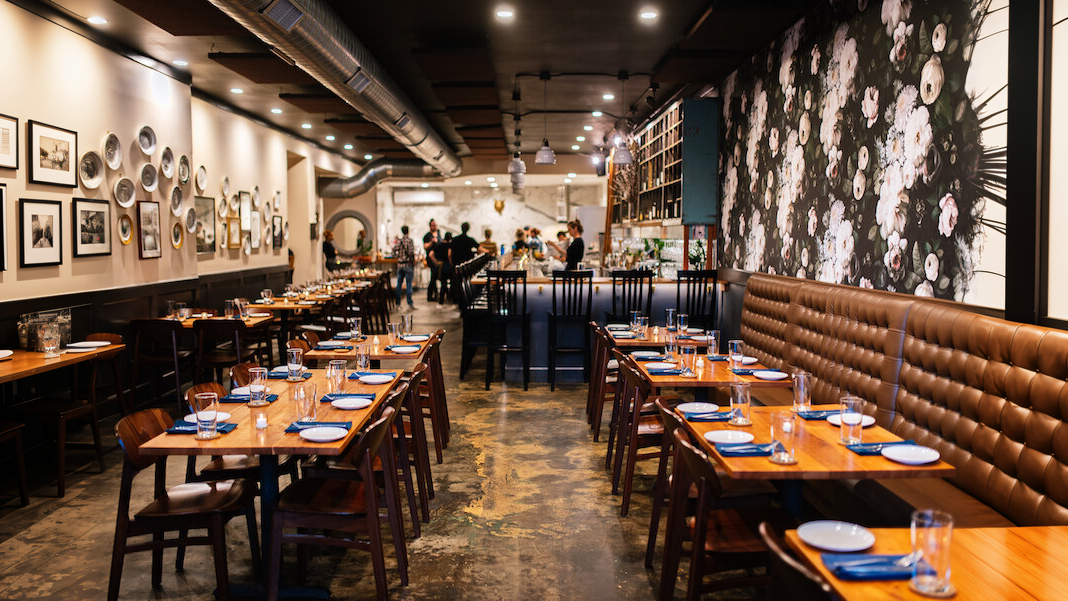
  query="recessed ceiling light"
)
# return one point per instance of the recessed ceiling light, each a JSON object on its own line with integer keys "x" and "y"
{"x": 505, "y": 13}
{"x": 306, "y": 125}
{"x": 609, "y": 97}
{"x": 348, "y": 147}
{"x": 237, "y": 91}
{"x": 617, "y": 140}
{"x": 95, "y": 20}
{"x": 494, "y": 185}
{"x": 574, "y": 147}
{"x": 567, "y": 180}
{"x": 491, "y": 179}
{"x": 580, "y": 138}
{"x": 180, "y": 63}
{"x": 572, "y": 175}
{"x": 424, "y": 185}
{"x": 596, "y": 113}
{"x": 276, "y": 111}
{"x": 587, "y": 128}
{"x": 467, "y": 182}
{"x": 330, "y": 138}
{"x": 368, "y": 157}
{"x": 648, "y": 14}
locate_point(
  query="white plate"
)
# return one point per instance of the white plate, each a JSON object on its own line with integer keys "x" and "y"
{"x": 89, "y": 344}
{"x": 124, "y": 192}
{"x": 166, "y": 163}
{"x": 831, "y": 535}
{"x": 405, "y": 350}
{"x": 617, "y": 326}
{"x": 219, "y": 416}
{"x": 696, "y": 407}
{"x": 748, "y": 360}
{"x": 835, "y": 419}
{"x": 660, "y": 365}
{"x": 6, "y": 354}
{"x": 277, "y": 199}
{"x": 331, "y": 343}
{"x": 694, "y": 331}
{"x": 351, "y": 403}
{"x": 255, "y": 197}
{"x": 728, "y": 436}
{"x": 324, "y": 433}
{"x": 282, "y": 369}
{"x": 183, "y": 169}
{"x": 202, "y": 178}
{"x": 79, "y": 350}
{"x": 149, "y": 177}
{"x": 767, "y": 374}
{"x": 622, "y": 335}
{"x": 376, "y": 379}
{"x": 112, "y": 151}
{"x": 645, "y": 354}
{"x": 225, "y": 186}
{"x": 223, "y": 210}
{"x": 306, "y": 302}
{"x": 190, "y": 220}
{"x": 698, "y": 338}
{"x": 176, "y": 201}
{"x": 91, "y": 170}
{"x": 146, "y": 140}
{"x": 910, "y": 454}
{"x": 416, "y": 338}
{"x": 258, "y": 314}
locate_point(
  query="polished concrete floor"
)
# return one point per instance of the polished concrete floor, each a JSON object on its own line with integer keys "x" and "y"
{"x": 524, "y": 510}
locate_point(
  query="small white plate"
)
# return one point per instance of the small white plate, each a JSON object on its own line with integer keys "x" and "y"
{"x": 766, "y": 374}
{"x": 331, "y": 343}
{"x": 351, "y": 403}
{"x": 748, "y": 360}
{"x": 149, "y": 177}
{"x": 323, "y": 296}
{"x": 660, "y": 365}
{"x": 831, "y": 535}
{"x": 617, "y": 326}
{"x": 202, "y": 178}
{"x": 219, "y": 416}
{"x": 416, "y": 338}
{"x": 910, "y": 454}
{"x": 124, "y": 192}
{"x": 324, "y": 433}
{"x": 645, "y": 354}
{"x": 622, "y": 335}
{"x": 5, "y": 354}
{"x": 835, "y": 419}
{"x": 91, "y": 170}
{"x": 112, "y": 151}
{"x": 183, "y": 169}
{"x": 698, "y": 338}
{"x": 405, "y": 350}
{"x": 376, "y": 379}
{"x": 89, "y": 344}
{"x": 80, "y": 350}
{"x": 696, "y": 407}
{"x": 240, "y": 390}
{"x": 728, "y": 436}
{"x": 166, "y": 162}
{"x": 259, "y": 314}
{"x": 692, "y": 331}
{"x": 307, "y": 302}
{"x": 282, "y": 369}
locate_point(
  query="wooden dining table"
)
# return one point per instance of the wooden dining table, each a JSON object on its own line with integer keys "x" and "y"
{"x": 252, "y": 321}
{"x": 655, "y": 337}
{"x": 22, "y": 363}
{"x": 710, "y": 374}
{"x": 986, "y": 564}
{"x": 378, "y": 352}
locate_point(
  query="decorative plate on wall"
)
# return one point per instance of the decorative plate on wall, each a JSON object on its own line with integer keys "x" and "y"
{"x": 177, "y": 235}
{"x": 176, "y": 201}
{"x": 191, "y": 220}
{"x": 266, "y": 209}
{"x": 202, "y": 178}
{"x": 223, "y": 208}
{"x": 247, "y": 245}
{"x": 166, "y": 162}
{"x": 225, "y": 186}
{"x": 91, "y": 170}
{"x": 255, "y": 197}
{"x": 125, "y": 228}
{"x": 124, "y": 191}
{"x": 113, "y": 151}
{"x": 183, "y": 169}
{"x": 268, "y": 237}
{"x": 235, "y": 204}
{"x": 278, "y": 200}
{"x": 285, "y": 231}
{"x": 146, "y": 140}
{"x": 149, "y": 177}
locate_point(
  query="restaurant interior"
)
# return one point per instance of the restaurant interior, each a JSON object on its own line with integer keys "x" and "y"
{"x": 739, "y": 299}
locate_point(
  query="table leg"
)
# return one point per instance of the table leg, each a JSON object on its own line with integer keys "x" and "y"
{"x": 268, "y": 499}
{"x": 792, "y": 498}
{"x": 283, "y": 336}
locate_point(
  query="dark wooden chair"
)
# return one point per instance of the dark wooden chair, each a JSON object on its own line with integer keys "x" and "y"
{"x": 412, "y": 423}
{"x": 473, "y": 312}
{"x": 695, "y": 295}
{"x": 572, "y": 307}
{"x": 603, "y": 381}
{"x": 788, "y": 577}
{"x": 506, "y": 292}
{"x": 156, "y": 348}
{"x": 431, "y": 397}
{"x": 182, "y": 508}
{"x": 635, "y": 431}
{"x": 220, "y": 344}
{"x": 632, "y": 290}
{"x": 239, "y": 376}
{"x": 12, "y": 431}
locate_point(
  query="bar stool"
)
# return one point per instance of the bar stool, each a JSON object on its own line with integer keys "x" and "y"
{"x": 156, "y": 347}
{"x": 632, "y": 290}
{"x": 699, "y": 301}
{"x": 572, "y": 305}
{"x": 506, "y": 292}
{"x": 13, "y": 431}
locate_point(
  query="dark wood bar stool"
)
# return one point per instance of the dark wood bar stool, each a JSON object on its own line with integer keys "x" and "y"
{"x": 572, "y": 305}
{"x": 695, "y": 295}
{"x": 632, "y": 290}
{"x": 506, "y": 292}
{"x": 156, "y": 348}
{"x": 13, "y": 431}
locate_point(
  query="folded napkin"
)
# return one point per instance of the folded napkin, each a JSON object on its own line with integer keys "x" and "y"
{"x": 346, "y": 395}
{"x": 670, "y": 329}
{"x": 347, "y": 336}
{"x": 742, "y": 371}
{"x": 298, "y": 426}
{"x": 393, "y": 346}
{"x": 653, "y": 358}
{"x": 665, "y": 372}
{"x": 684, "y": 337}
{"x": 332, "y": 348}
{"x": 744, "y": 449}
{"x": 717, "y": 416}
{"x": 244, "y": 398}
{"x": 817, "y": 415}
{"x": 622, "y": 335}
{"x": 281, "y": 375}
{"x": 183, "y": 427}
{"x": 850, "y": 566}
{"x": 874, "y": 448}
{"x": 357, "y": 374}
{"x": 715, "y": 357}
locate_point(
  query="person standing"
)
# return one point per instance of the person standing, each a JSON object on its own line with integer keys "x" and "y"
{"x": 463, "y": 247}
{"x": 330, "y": 251}
{"x": 404, "y": 253}
{"x": 488, "y": 246}
{"x": 577, "y": 249}
{"x": 429, "y": 240}
{"x": 438, "y": 258}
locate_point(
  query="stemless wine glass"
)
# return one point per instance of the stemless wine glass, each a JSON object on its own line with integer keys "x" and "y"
{"x": 635, "y": 321}
{"x": 49, "y": 336}
{"x": 671, "y": 323}
{"x": 394, "y": 332}
{"x": 713, "y": 343}
{"x": 257, "y": 387}
{"x": 932, "y": 534}
{"x": 356, "y": 326}
{"x": 740, "y": 404}
{"x": 736, "y": 348}
{"x": 783, "y": 434}
{"x": 643, "y": 326}
{"x": 406, "y": 325}
{"x": 682, "y": 320}
{"x": 363, "y": 355}
{"x": 172, "y": 310}
{"x": 295, "y": 364}
{"x": 305, "y": 399}
{"x": 205, "y": 406}
{"x": 802, "y": 390}
{"x": 688, "y": 352}
{"x": 851, "y": 411}
{"x": 671, "y": 344}
{"x": 335, "y": 375}
{"x": 230, "y": 309}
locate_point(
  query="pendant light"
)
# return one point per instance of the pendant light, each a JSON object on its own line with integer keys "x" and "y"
{"x": 622, "y": 155}
{"x": 545, "y": 156}
{"x": 517, "y": 168}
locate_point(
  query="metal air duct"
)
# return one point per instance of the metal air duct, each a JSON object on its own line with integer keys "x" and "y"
{"x": 317, "y": 41}
{"x": 372, "y": 173}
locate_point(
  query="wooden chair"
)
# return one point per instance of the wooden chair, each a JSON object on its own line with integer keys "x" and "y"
{"x": 432, "y": 395}
{"x": 603, "y": 383}
{"x": 636, "y": 430}
{"x": 632, "y": 290}
{"x": 220, "y": 344}
{"x": 572, "y": 306}
{"x": 506, "y": 292}
{"x": 412, "y": 423}
{"x": 473, "y": 313}
{"x": 298, "y": 343}
{"x": 182, "y": 508}
{"x": 239, "y": 376}
{"x": 311, "y": 338}
{"x": 156, "y": 348}
{"x": 12, "y": 431}
{"x": 112, "y": 358}
{"x": 788, "y": 577}
{"x": 695, "y": 295}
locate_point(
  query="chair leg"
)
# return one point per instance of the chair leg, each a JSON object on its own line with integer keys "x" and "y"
{"x": 613, "y": 427}
{"x": 275, "y": 568}
{"x": 526, "y": 355}
{"x": 658, "y": 506}
{"x": 254, "y": 542}
{"x": 218, "y": 544}
{"x": 552, "y": 355}
{"x": 118, "y": 554}
{"x": 94, "y": 426}
{"x": 61, "y": 456}
{"x": 378, "y": 560}
{"x": 628, "y": 482}
{"x": 157, "y": 561}
{"x": 489, "y": 365}
{"x": 24, "y": 489}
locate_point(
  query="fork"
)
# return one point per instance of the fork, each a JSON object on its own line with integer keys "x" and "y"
{"x": 904, "y": 561}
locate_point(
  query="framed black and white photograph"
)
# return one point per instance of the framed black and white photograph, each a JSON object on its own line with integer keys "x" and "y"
{"x": 53, "y": 154}
{"x": 205, "y": 228}
{"x": 90, "y": 231}
{"x": 149, "y": 233}
{"x": 3, "y": 227}
{"x": 40, "y": 232}
{"x": 245, "y": 203}
{"x": 276, "y": 234}
{"x": 233, "y": 234}
{"x": 256, "y": 229}
{"x": 9, "y": 142}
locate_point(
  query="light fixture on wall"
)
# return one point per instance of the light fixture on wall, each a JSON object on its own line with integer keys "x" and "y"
{"x": 545, "y": 156}
{"x": 622, "y": 155}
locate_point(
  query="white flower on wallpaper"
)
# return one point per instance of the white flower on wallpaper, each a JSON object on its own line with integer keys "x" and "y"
{"x": 931, "y": 80}
{"x": 894, "y": 12}
{"x": 870, "y": 107}
{"x": 787, "y": 60}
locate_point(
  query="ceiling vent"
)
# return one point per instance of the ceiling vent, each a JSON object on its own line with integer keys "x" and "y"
{"x": 359, "y": 81}
{"x": 284, "y": 14}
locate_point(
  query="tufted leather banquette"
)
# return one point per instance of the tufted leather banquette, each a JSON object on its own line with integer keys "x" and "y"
{"x": 989, "y": 394}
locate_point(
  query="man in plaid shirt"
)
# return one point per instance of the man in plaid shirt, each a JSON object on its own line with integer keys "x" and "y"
{"x": 404, "y": 253}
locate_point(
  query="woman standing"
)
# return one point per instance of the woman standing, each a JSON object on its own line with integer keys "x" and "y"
{"x": 577, "y": 249}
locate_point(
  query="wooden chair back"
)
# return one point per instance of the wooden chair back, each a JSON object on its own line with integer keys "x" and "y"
{"x": 632, "y": 290}
{"x": 239, "y": 374}
{"x": 138, "y": 428}
{"x": 789, "y": 578}
{"x": 196, "y": 389}
{"x": 298, "y": 343}
{"x": 507, "y": 293}
{"x": 695, "y": 295}
{"x": 573, "y": 294}
{"x": 699, "y": 467}
{"x": 311, "y": 338}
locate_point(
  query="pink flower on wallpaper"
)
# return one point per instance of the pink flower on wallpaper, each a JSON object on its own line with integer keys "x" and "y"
{"x": 947, "y": 220}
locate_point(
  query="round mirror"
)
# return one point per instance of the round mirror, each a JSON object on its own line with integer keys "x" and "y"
{"x": 352, "y": 233}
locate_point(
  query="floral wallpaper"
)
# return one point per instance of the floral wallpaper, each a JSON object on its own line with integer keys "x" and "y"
{"x": 853, "y": 152}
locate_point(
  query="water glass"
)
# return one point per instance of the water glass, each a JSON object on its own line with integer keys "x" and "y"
{"x": 335, "y": 375}
{"x": 231, "y": 310}
{"x": 356, "y": 327}
{"x": 266, "y": 294}
{"x": 671, "y": 343}
{"x": 802, "y": 390}
{"x": 736, "y": 348}
{"x": 671, "y": 323}
{"x": 406, "y": 325}
{"x": 932, "y": 533}
{"x": 394, "y": 332}
{"x": 242, "y": 307}
{"x": 740, "y": 404}
{"x": 851, "y": 410}
{"x": 635, "y": 321}
{"x": 257, "y": 387}
{"x": 295, "y": 364}
{"x": 713, "y": 343}
{"x": 682, "y": 321}
{"x": 363, "y": 355}
{"x": 643, "y": 326}
{"x": 688, "y": 353}
{"x": 783, "y": 434}
{"x": 205, "y": 407}
{"x": 48, "y": 333}
{"x": 172, "y": 309}
{"x": 305, "y": 399}
{"x": 184, "y": 311}
{"x": 290, "y": 289}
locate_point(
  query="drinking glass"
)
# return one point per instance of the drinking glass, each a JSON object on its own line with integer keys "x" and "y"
{"x": 740, "y": 404}
{"x": 172, "y": 309}
{"x": 257, "y": 387}
{"x": 671, "y": 323}
{"x": 851, "y": 410}
{"x": 230, "y": 310}
{"x": 682, "y": 320}
{"x": 802, "y": 390}
{"x": 363, "y": 355}
{"x": 242, "y": 307}
{"x": 783, "y": 434}
{"x": 335, "y": 375}
{"x": 48, "y": 333}
{"x": 356, "y": 326}
{"x": 635, "y": 321}
{"x": 932, "y": 533}
{"x": 295, "y": 364}
{"x": 643, "y": 326}
{"x": 736, "y": 348}
{"x": 671, "y": 344}
{"x": 394, "y": 332}
{"x": 406, "y": 325}
{"x": 184, "y": 311}
{"x": 688, "y": 352}
{"x": 205, "y": 407}
{"x": 713, "y": 343}
{"x": 305, "y": 399}
{"x": 290, "y": 288}
{"x": 266, "y": 295}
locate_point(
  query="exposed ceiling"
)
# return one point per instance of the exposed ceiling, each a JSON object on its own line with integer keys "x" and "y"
{"x": 463, "y": 66}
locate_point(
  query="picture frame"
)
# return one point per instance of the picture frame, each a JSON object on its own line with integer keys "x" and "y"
{"x": 149, "y": 230}
{"x": 205, "y": 228}
{"x": 3, "y": 227}
{"x": 52, "y": 155}
{"x": 40, "y": 232}
{"x": 256, "y": 229}
{"x": 245, "y": 210}
{"x": 90, "y": 222}
{"x": 9, "y": 142}
{"x": 233, "y": 234}
{"x": 276, "y": 235}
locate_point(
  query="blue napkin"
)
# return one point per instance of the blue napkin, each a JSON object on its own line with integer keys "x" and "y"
{"x": 670, "y": 329}
{"x": 298, "y": 426}
{"x": 652, "y": 358}
{"x": 244, "y": 398}
{"x": 622, "y": 335}
{"x": 850, "y": 566}
{"x": 718, "y": 416}
{"x": 715, "y": 357}
{"x": 346, "y": 395}
{"x": 617, "y": 328}
{"x": 874, "y": 448}
{"x": 817, "y": 415}
{"x": 183, "y": 427}
{"x": 281, "y": 375}
{"x": 665, "y": 372}
{"x": 742, "y": 371}
{"x": 357, "y": 374}
{"x": 745, "y": 449}
{"x": 332, "y": 348}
